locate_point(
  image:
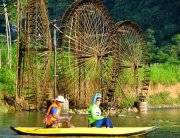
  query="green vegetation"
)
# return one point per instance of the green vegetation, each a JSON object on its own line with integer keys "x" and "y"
{"x": 163, "y": 98}
{"x": 7, "y": 80}
{"x": 165, "y": 73}
{"x": 161, "y": 29}
{"x": 161, "y": 33}
{"x": 3, "y": 109}
{"x": 7, "y": 75}
{"x": 129, "y": 102}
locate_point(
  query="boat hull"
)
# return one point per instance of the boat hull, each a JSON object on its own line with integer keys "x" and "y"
{"x": 83, "y": 131}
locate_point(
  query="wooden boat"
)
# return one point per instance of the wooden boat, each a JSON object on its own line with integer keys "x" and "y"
{"x": 84, "y": 131}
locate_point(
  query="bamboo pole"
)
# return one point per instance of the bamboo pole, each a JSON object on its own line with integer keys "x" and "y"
{"x": 18, "y": 43}
{"x": 55, "y": 58}
{"x": 8, "y": 34}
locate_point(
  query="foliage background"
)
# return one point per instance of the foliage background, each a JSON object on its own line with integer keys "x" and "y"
{"x": 159, "y": 20}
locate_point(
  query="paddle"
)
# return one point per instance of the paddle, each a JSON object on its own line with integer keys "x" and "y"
{"x": 70, "y": 118}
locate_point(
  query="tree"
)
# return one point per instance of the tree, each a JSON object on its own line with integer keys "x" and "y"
{"x": 174, "y": 51}
{"x": 56, "y": 8}
{"x": 151, "y": 44}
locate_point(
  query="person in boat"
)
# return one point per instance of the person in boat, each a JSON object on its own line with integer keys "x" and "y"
{"x": 52, "y": 117}
{"x": 95, "y": 116}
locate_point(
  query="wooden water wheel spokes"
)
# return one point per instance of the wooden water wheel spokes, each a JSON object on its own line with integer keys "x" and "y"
{"x": 132, "y": 58}
{"x": 35, "y": 55}
{"x": 85, "y": 50}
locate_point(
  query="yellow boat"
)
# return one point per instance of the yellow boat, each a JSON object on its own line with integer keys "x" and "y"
{"x": 84, "y": 131}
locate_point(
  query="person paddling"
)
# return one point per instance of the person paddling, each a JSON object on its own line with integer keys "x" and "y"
{"x": 95, "y": 117}
{"x": 52, "y": 117}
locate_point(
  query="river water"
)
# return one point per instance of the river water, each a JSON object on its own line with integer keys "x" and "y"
{"x": 168, "y": 121}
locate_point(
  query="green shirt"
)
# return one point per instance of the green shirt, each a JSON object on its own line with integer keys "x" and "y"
{"x": 94, "y": 113}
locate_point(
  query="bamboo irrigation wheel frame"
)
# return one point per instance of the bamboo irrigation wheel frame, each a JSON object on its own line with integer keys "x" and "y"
{"x": 86, "y": 58}
{"x": 132, "y": 53}
{"x": 34, "y": 56}
{"x": 95, "y": 55}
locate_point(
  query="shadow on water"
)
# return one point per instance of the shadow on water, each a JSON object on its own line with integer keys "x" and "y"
{"x": 167, "y": 119}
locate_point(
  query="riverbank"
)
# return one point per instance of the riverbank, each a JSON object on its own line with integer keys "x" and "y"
{"x": 111, "y": 111}
{"x": 7, "y": 103}
{"x": 121, "y": 112}
{"x": 4, "y": 107}
{"x": 159, "y": 96}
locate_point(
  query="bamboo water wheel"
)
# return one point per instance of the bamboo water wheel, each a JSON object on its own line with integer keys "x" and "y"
{"x": 132, "y": 53}
{"x": 95, "y": 55}
{"x": 87, "y": 54}
{"x": 34, "y": 56}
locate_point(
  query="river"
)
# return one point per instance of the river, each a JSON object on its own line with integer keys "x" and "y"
{"x": 168, "y": 121}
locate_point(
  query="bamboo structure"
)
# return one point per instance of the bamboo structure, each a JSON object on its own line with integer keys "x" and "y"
{"x": 86, "y": 51}
{"x": 34, "y": 55}
{"x": 96, "y": 54}
{"x": 132, "y": 56}
{"x": 92, "y": 54}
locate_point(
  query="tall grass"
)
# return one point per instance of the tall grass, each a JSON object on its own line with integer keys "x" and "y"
{"x": 165, "y": 73}
{"x": 163, "y": 98}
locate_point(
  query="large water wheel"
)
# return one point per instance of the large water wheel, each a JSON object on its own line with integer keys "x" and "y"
{"x": 132, "y": 59}
{"x": 34, "y": 54}
{"x": 85, "y": 63}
